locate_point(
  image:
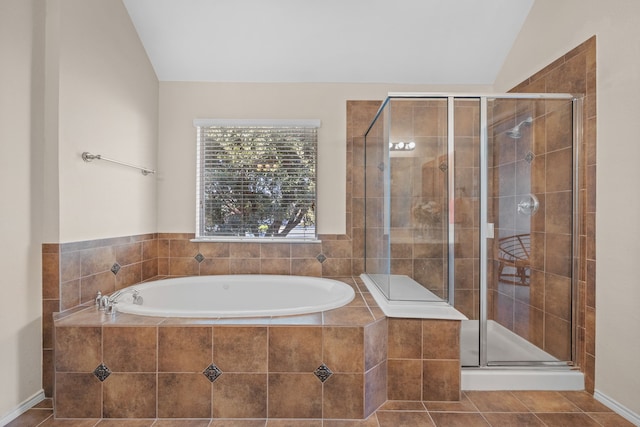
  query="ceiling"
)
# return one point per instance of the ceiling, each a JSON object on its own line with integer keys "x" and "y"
{"x": 365, "y": 41}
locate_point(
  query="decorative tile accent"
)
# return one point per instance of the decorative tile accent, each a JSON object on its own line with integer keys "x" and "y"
{"x": 212, "y": 372}
{"x": 443, "y": 167}
{"x": 321, "y": 258}
{"x": 115, "y": 268}
{"x": 199, "y": 257}
{"x": 102, "y": 372}
{"x": 381, "y": 167}
{"x": 323, "y": 372}
{"x": 529, "y": 157}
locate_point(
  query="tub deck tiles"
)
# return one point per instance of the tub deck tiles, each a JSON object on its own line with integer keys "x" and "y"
{"x": 118, "y": 364}
{"x": 344, "y": 316}
{"x": 361, "y": 311}
{"x": 478, "y": 408}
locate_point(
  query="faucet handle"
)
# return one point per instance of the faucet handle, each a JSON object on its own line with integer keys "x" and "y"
{"x": 98, "y": 298}
{"x": 111, "y": 308}
{"x": 104, "y": 303}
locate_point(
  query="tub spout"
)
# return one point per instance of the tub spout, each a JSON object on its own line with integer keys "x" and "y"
{"x": 108, "y": 303}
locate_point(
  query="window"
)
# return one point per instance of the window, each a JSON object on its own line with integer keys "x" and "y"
{"x": 256, "y": 179}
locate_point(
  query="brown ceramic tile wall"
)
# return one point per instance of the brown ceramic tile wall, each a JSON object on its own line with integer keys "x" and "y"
{"x": 417, "y": 249}
{"x": 265, "y": 369}
{"x": 575, "y": 72}
{"x": 74, "y": 272}
{"x": 423, "y": 356}
{"x": 423, "y": 359}
{"x": 359, "y": 116}
{"x": 177, "y": 257}
{"x": 418, "y": 183}
{"x": 467, "y": 207}
{"x": 50, "y": 304}
{"x": 533, "y": 298}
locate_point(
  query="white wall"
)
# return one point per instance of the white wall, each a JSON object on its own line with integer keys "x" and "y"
{"x": 552, "y": 29}
{"x": 107, "y": 104}
{"x": 180, "y": 103}
{"x": 21, "y": 212}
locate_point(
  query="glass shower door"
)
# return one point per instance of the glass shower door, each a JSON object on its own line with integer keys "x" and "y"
{"x": 530, "y": 204}
{"x": 376, "y": 202}
{"x": 471, "y": 199}
{"x": 418, "y": 158}
{"x": 406, "y": 200}
{"x": 465, "y": 223}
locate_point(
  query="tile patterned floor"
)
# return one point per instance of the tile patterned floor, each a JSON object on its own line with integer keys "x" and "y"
{"x": 476, "y": 408}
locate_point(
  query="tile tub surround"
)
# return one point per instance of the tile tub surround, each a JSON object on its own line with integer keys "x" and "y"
{"x": 248, "y": 368}
{"x": 73, "y": 272}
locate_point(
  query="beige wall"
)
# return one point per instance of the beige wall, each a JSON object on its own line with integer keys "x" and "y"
{"x": 107, "y": 104}
{"x": 552, "y": 29}
{"x": 180, "y": 103}
{"x": 74, "y": 77}
{"x": 20, "y": 216}
{"x": 102, "y": 96}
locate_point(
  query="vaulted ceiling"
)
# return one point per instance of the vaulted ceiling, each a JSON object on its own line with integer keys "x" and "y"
{"x": 366, "y": 41}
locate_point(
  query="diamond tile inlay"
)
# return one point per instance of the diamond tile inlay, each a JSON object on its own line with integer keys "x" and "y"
{"x": 529, "y": 157}
{"x": 115, "y": 268}
{"x": 323, "y": 372}
{"x": 102, "y": 372}
{"x": 321, "y": 258}
{"x": 443, "y": 167}
{"x": 199, "y": 257}
{"x": 212, "y": 372}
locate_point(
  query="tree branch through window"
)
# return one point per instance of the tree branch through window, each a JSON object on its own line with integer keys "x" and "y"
{"x": 257, "y": 181}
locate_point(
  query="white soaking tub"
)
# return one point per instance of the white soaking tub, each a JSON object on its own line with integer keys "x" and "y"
{"x": 236, "y": 296}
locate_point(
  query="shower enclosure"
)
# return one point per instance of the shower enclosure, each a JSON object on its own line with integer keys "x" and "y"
{"x": 472, "y": 200}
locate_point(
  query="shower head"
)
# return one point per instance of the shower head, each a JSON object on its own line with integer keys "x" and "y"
{"x": 515, "y": 131}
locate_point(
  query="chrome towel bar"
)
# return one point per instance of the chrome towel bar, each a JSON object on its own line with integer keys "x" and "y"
{"x": 87, "y": 157}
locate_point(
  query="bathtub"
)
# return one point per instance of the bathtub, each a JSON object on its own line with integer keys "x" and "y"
{"x": 236, "y": 296}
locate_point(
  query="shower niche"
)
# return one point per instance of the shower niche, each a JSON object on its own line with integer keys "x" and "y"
{"x": 471, "y": 200}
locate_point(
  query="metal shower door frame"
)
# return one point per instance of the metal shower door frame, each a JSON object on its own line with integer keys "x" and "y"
{"x": 485, "y": 232}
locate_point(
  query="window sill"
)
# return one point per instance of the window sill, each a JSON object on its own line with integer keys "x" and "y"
{"x": 252, "y": 240}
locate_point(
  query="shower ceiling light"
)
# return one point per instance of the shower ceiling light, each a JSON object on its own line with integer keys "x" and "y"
{"x": 402, "y": 146}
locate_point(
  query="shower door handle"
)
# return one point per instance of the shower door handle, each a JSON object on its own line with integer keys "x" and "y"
{"x": 528, "y": 205}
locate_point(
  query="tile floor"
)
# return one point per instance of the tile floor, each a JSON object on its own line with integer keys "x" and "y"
{"x": 476, "y": 408}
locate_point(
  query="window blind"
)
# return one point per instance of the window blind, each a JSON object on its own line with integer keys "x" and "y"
{"x": 256, "y": 179}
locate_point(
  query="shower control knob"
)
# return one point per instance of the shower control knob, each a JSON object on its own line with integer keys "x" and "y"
{"x": 528, "y": 205}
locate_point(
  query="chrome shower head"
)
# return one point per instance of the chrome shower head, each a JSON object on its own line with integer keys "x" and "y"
{"x": 515, "y": 132}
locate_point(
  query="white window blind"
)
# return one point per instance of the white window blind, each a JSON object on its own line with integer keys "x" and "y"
{"x": 256, "y": 179}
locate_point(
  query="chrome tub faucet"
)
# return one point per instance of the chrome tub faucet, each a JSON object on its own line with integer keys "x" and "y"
{"x": 107, "y": 303}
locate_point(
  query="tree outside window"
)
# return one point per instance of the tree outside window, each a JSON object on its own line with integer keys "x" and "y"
{"x": 257, "y": 181}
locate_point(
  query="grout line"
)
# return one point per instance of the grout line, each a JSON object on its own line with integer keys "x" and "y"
{"x": 268, "y": 347}
{"x": 157, "y": 374}
{"x": 45, "y": 420}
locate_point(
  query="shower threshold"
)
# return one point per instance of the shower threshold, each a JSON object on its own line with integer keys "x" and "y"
{"x": 525, "y": 366}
